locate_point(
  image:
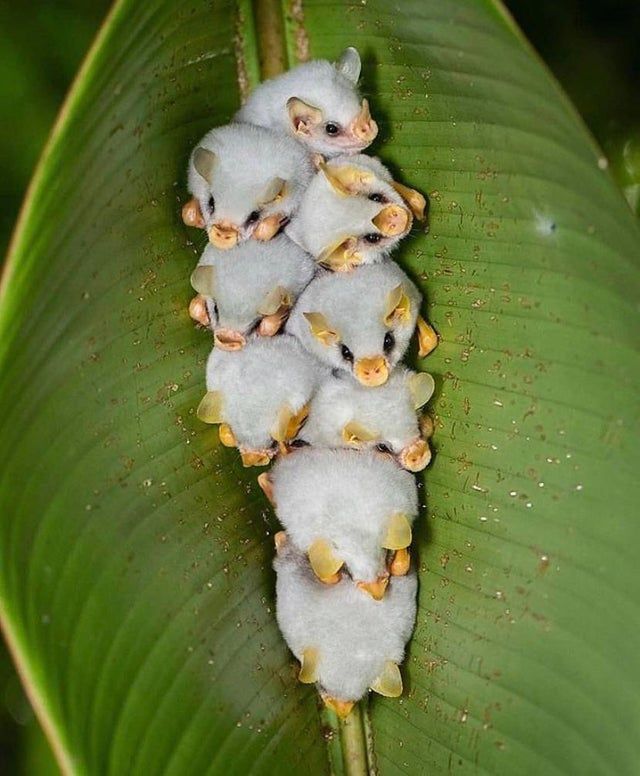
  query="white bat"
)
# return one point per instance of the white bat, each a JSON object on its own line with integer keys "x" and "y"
{"x": 346, "y": 643}
{"x": 259, "y": 395}
{"x": 361, "y": 322}
{"x": 246, "y": 183}
{"x": 318, "y": 104}
{"x": 344, "y": 413}
{"x": 349, "y": 511}
{"x": 354, "y": 213}
{"x": 248, "y": 289}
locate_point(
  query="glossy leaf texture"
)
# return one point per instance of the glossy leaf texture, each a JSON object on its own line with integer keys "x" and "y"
{"x": 135, "y": 582}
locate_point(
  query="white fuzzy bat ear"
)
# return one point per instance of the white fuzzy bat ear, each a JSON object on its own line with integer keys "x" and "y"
{"x": 398, "y": 306}
{"x": 389, "y": 683}
{"x": 202, "y": 280}
{"x": 321, "y": 329}
{"x": 346, "y": 180}
{"x": 354, "y": 433}
{"x": 349, "y": 64}
{"x": 276, "y": 299}
{"x": 304, "y": 117}
{"x": 275, "y": 189}
{"x": 421, "y": 387}
{"x": 204, "y": 162}
{"x": 416, "y": 201}
{"x": 309, "y": 666}
{"x": 210, "y": 408}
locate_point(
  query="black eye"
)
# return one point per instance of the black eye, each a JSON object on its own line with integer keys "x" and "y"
{"x": 331, "y": 129}
{"x": 211, "y": 204}
{"x": 389, "y": 341}
{"x": 376, "y": 197}
{"x": 373, "y": 238}
{"x": 253, "y": 217}
{"x": 383, "y": 448}
{"x": 346, "y": 354}
{"x": 299, "y": 443}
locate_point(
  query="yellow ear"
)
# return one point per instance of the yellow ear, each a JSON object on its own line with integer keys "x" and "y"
{"x": 309, "y": 666}
{"x": 304, "y": 117}
{"x": 427, "y": 337}
{"x": 323, "y": 560}
{"x": 275, "y": 189}
{"x": 289, "y": 423}
{"x": 202, "y": 279}
{"x": 276, "y": 299}
{"x": 204, "y": 161}
{"x": 341, "y": 255}
{"x": 421, "y": 387}
{"x": 347, "y": 180}
{"x": 398, "y": 306}
{"x": 321, "y": 329}
{"x": 355, "y": 433}
{"x": 389, "y": 683}
{"x": 417, "y": 203}
{"x": 398, "y": 533}
{"x": 210, "y": 408}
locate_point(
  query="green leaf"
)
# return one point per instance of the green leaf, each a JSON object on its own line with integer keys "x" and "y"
{"x": 136, "y": 587}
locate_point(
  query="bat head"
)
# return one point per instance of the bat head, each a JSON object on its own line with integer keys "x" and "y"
{"x": 352, "y": 213}
{"x": 359, "y": 323}
{"x": 248, "y": 182}
{"x": 251, "y": 288}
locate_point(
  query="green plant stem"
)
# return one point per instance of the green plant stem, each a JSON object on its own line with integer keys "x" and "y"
{"x": 353, "y": 742}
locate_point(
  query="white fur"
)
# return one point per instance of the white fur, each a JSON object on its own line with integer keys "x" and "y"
{"x": 354, "y": 634}
{"x": 257, "y": 381}
{"x": 248, "y": 159}
{"x": 345, "y": 497}
{"x": 318, "y": 83}
{"x": 388, "y": 411}
{"x": 246, "y": 274}
{"x": 354, "y": 303}
{"x": 326, "y": 217}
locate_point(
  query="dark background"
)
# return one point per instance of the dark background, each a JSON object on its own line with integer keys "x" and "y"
{"x": 592, "y": 47}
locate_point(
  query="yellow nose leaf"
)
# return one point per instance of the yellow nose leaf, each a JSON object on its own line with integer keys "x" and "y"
{"x": 375, "y": 589}
{"x": 324, "y": 561}
{"x": 355, "y": 433}
{"x": 202, "y": 279}
{"x": 421, "y": 387}
{"x": 398, "y": 533}
{"x": 309, "y": 666}
{"x": 398, "y": 307}
{"x": 389, "y": 683}
{"x": 210, "y": 408}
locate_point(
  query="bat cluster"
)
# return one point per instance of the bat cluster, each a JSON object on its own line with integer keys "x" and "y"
{"x": 310, "y": 319}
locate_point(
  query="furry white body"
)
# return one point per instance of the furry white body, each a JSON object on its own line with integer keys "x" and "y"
{"x": 256, "y": 382}
{"x": 327, "y": 217}
{"x": 244, "y": 277}
{"x": 354, "y": 634}
{"x": 387, "y": 412}
{"x": 354, "y": 304}
{"x": 319, "y": 83}
{"x": 247, "y": 161}
{"x": 346, "y": 498}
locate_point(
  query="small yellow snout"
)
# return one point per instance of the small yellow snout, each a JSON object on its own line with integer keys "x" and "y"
{"x": 223, "y": 235}
{"x": 372, "y": 372}
{"x": 415, "y": 456}
{"x": 392, "y": 220}
{"x": 375, "y": 589}
{"x": 364, "y": 128}
{"x": 228, "y": 339}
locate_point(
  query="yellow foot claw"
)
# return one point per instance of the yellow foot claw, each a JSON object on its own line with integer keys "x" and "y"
{"x": 341, "y": 708}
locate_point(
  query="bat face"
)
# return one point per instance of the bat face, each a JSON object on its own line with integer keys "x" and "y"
{"x": 346, "y": 643}
{"x": 318, "y": 104}
{"x": 259, "y": 395}
{"x": 352, "y": 213}
{"x": 251, "y": 288}
{"x": 346, "y": 510}
{"x": 247, "y": 181}
{"x": 344, "y": 413}
{"x": 359, "y": 323}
